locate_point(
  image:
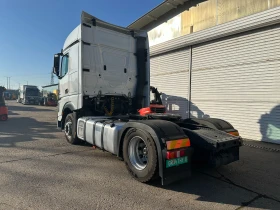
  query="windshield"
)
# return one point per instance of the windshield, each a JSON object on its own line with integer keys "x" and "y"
{"x": 32, "y": 92}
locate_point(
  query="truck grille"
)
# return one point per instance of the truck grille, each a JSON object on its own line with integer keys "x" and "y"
{"x": 157, "y": 110}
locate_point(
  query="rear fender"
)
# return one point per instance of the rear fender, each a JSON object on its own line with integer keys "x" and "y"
{"x": 161, "y": 131}
{"x": 214, "y": 123}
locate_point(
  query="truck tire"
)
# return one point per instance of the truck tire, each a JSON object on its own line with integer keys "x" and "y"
{"x": 4, "y": 117}
{"x": 70, "y": 129}
{"x": 140, "y": 155}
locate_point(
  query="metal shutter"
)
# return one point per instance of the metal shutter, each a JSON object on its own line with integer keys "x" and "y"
{"x": 170, "y": 74}
{"x": 238, "y": 79}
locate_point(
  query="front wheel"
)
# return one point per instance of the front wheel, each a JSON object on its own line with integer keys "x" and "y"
{"x": 140, "y": 155}
{"x": 70, "y": 129}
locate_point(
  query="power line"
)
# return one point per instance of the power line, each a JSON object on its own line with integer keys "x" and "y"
{"x": 31, "y": 75}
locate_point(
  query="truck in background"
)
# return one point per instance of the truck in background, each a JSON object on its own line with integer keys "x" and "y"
{"x": 10, "y": 94}
{"x": 56, "y": 92}
{"x": 101, "y": 93}
{"x": 48, "y": 97}
{"x": 29, "y": 94}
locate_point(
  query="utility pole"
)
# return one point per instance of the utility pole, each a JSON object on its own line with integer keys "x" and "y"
{"x": 8, "y": 82}
{"x": 52, "y": 78}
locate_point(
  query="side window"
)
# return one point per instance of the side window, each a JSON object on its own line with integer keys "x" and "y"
{"x": 64, "y": 65}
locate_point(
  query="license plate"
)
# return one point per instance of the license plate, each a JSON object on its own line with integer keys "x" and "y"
{"x": 176, "y": 161}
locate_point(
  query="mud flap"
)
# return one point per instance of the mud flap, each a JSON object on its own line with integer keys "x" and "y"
{"x": 171, "y": 174}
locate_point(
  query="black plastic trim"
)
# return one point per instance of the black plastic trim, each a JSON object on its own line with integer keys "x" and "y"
{"x": 86, "y": 25}
{"x": 72, "y": 44}
{"x": 102, "y": 138}
{"x": 141, "y": 54}
{"x": 93, "y": 21}
{"x": 86, "y": 43}
{"x": 68, "y": 105}
{"x": 58, "y": 124}
{"x": 87, "y": 70}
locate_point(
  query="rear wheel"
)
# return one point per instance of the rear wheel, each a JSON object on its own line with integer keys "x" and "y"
{"x": 140, "y": 155}
{"x": 70, "y": 129}
{"x": 4, "y": 117}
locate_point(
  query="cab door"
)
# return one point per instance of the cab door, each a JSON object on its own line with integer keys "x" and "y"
{"x": 64, "y": 80}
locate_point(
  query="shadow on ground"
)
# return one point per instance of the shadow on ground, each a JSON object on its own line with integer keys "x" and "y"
{"x": 22, "y": 129}
{"x": 11, "y": 113}
{"x": 23, "y": 108}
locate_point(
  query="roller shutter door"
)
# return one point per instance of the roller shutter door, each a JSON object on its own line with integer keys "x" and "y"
{"x": 170, "y": 74}
{"x": 238, "y": 79}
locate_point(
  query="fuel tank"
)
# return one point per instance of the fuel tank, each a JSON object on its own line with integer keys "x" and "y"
{"x": 100, "y": 131}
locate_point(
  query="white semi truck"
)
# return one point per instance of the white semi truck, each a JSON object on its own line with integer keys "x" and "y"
{"x": 29, "y": 94}
{"x": 104, "y": 79}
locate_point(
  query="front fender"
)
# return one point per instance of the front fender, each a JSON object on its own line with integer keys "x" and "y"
{"x": 69, "y": 105}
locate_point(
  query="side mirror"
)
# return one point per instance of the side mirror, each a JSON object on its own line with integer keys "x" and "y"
{"x": 56, "y": 63}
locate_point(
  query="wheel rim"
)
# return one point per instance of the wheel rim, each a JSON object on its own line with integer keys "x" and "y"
{"x": 68, "y": 129}
{"x": 138, "y": 153}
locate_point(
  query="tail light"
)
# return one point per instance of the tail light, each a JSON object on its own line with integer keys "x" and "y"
{"x": 175, "y": 154}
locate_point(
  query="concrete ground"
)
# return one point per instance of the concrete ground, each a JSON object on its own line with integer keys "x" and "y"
{"x": 39, "y": 170}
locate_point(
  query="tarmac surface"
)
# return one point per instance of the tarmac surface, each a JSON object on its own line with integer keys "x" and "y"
{"x": 40, "y": 170}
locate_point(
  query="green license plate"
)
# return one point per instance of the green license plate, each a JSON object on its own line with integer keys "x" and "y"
{"x": 176, "y": 161}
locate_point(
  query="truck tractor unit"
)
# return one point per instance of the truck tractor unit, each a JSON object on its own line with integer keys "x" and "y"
{"x": 29, "y": 94}
{"x": 104, "y": 80}
{"x": 48, "y": 99}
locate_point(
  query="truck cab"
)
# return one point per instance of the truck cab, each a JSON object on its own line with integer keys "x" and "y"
{"x": 29, "y": 94}
{"x": 103, "y": 70}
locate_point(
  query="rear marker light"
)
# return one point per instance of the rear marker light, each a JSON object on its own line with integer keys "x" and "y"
{"x": 234, "y": 133}
{"x": 176, "y": 144}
